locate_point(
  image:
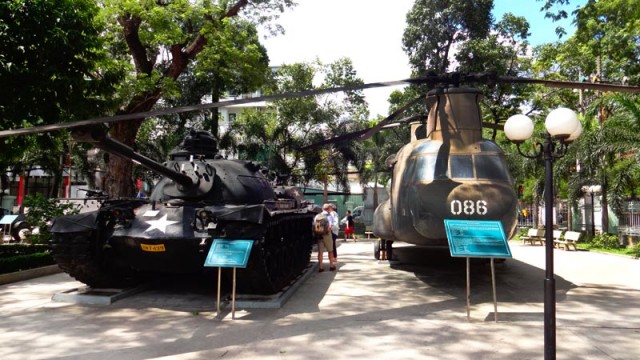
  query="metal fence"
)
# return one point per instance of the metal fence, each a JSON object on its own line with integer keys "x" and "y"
{"x": 629, "y": 222}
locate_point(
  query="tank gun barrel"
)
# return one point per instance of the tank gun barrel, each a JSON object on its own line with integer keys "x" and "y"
{"x": 99, "y": 138}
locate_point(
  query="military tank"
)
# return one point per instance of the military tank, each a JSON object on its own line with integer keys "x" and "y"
{"x": 201, "y": 197}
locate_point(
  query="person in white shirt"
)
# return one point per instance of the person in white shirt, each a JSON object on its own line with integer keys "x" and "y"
{"x": 335, "y": 228}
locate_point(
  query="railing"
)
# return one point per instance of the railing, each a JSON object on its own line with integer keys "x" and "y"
{"x": 630, "y": 219}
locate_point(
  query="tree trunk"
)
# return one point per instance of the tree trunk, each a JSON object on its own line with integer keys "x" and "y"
{"x": 604, "y": 208}
{"x": 117, "y": 181}
{"x": 57, "y": 190}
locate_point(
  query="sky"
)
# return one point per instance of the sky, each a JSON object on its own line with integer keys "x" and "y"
{"x": 369, "y": 32}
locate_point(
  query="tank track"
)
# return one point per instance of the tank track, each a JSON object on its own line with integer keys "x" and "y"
{"x": 79, "y": 255}
{"x": 279, "y": 257}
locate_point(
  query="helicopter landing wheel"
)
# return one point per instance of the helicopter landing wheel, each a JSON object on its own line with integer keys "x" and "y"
{"x": 389, "y": 249}
{"x": 382, "y": 249}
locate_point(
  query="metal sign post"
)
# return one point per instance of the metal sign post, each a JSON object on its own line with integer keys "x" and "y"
{"x": 478, "y": 238}
{"x": 228, "y": 253}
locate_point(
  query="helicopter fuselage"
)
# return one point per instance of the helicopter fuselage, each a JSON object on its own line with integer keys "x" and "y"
{"x": 451, "y": 173}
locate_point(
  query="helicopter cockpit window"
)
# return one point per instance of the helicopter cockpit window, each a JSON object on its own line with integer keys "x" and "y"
{"x": 428, "y": 167}
{"x": 425, "y": 167}
{"x": 461, "y": 166}
{"x": 491, "y": 167}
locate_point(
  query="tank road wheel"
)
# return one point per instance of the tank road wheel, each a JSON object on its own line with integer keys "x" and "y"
{"x": 278, "y": 257}
{"x": 82, "y": 257}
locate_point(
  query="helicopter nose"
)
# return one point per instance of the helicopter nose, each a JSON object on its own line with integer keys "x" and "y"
{"x": 463, "y": 201}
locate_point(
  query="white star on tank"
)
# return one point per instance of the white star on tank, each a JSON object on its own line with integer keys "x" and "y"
{"x": 160, "y": 224}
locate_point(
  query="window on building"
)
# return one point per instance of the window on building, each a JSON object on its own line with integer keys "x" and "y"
{"x": 232, "y": 118}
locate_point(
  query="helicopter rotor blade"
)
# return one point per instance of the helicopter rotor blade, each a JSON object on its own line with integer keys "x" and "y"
{"x": 359, "y": 134}
{"x": 570, "y": 84}
{"x": 433, "y": 79}
{"x": 199, "y": 107}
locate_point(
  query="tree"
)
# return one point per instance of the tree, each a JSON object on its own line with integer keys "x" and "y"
{"x": 604, "y": 48}
{"x": 436, "y": 27}
{"x": 276, "y": 135}
{"x": 158, "y": 41}
{"x": 610, "y": 32}
{"x": 608, "y": 157}
{"x": 504, "y": 52}
{"x": 53, "y": 68}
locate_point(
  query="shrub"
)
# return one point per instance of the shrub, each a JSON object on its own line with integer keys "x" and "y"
{"x": 635, "y": 250}
{"x": 24, "y": 262}
{"x": 22, "y": 249}
{"x": 605, "y": 241}
{"x": 41, "y": 212}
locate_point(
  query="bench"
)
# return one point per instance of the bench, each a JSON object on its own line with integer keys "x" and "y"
{"x": 557, "y": 236}
{"x": 534, "y": 235}
{"x": 368, "y": 233}
{"x": 570, "y": 239}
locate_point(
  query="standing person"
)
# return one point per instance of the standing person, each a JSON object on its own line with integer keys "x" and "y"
{"x": 322, "y": 234}
{"x": 335, "y": 228}
{"x": 350, "y": 226}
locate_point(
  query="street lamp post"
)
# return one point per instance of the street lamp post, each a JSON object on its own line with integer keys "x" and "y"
{"x": 562, "y": 127}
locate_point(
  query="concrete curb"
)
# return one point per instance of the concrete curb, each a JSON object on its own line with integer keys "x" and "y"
{"x": 29, "y": 274}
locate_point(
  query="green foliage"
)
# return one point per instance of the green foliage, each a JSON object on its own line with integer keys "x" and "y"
{"x": 24, "y": 262}
{"x": 435, "y": 27}
{"x": 274, "y": 136}
{"x": 522, "y": 232}
{"x": 635, "y": 250}
{"x": 53, "y": 68}
{"x": 610, "y": 30}
{"x": 213, "y": 42}
{"x": 42, "y": 211}
{"x": 22, "y": 249}
{"x": 605, "y": 44}
{"x": 605, "y": 241}
{"x": 51, "y": 51}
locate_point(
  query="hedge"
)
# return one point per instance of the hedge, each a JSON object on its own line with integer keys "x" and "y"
{"x": 10, "y": 250}
{"x": 24, "y": 262}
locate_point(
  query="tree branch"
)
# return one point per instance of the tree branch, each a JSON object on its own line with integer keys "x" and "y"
{"x": 235, "y": 9}
{"x": 130, "y": 28}
{"x": 181, "y": 58}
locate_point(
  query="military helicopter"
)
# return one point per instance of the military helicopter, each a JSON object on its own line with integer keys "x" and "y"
{"x": 446, "y": 171}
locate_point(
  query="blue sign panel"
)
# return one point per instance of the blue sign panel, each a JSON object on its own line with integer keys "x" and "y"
{"x": 229, "y": 253}
{"x": 8, "y": 219}
{"x": 477, "y": 238}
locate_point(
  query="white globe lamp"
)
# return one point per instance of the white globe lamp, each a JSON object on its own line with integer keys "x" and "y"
{"x": 518, "y": 128}
{"x": 561, "y": 123}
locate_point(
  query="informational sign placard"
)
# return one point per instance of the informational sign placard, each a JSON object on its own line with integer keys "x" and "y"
{"x": 8, "y": 219}
{"x": 229, "y": 253}
{"x": 477, "y": 238}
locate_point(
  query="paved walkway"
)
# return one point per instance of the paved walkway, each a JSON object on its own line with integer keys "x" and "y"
{"x": 366, "y": 310}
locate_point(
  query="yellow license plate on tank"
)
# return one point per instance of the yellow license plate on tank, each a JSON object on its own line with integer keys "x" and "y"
{"x": 153, "y": 248}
